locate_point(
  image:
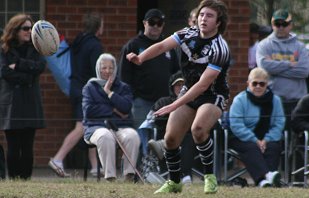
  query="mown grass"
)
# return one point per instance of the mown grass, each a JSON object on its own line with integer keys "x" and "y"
{"x": 68, "y": 188}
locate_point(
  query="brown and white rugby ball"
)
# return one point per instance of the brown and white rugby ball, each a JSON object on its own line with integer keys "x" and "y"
{"x": 45, "y": 38}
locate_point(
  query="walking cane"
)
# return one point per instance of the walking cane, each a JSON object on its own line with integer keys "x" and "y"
{"x": 114, "y": 129}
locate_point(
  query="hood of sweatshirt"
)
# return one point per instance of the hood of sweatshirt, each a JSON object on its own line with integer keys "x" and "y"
{"x": 173, "y": 79}
{"x": 291, "y": 37}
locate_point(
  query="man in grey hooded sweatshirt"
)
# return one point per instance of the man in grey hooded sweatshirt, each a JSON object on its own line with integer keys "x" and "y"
{"x": 286, "y": 60}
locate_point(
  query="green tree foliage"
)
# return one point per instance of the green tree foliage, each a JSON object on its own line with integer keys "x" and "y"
{"x": 261, "y": 12}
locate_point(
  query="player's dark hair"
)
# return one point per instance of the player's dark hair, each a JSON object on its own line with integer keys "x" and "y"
{"x": 221, "y": 10}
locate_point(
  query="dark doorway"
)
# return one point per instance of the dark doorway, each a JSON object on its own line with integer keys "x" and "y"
{"x": 176, "y": 12}
{"x": 142, "y": 7}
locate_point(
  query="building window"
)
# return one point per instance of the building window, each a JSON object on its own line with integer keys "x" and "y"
{"x": 9, "y": 8}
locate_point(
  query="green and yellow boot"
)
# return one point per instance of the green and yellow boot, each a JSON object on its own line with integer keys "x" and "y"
{"x": 211, "y": 185}
{"x": 169, "y": 187}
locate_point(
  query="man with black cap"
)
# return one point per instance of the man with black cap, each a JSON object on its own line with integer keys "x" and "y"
{"x": 150, "y": 81}
{"x": 286, "y": 60}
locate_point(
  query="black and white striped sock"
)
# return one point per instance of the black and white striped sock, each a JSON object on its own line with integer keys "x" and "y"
{"x": 206, "y": 154}
{"x": 173, "y": 163}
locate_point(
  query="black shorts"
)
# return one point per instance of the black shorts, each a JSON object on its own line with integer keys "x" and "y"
{"x": 218, "y": 100}
{"x": 77, "y": 110}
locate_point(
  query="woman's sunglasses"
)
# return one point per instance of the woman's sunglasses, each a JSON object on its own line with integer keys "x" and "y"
{"x": 152, "y": 22}
{"x": 255, "y": 83}
{"x": 25, "y": 28}
{"x": 283, "y": 24}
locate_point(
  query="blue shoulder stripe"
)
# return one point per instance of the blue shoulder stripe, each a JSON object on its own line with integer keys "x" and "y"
{"x": 214, "y": 67}
{"x": 176, "y": 38}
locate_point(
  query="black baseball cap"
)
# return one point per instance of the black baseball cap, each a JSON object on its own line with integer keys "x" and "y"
{"x": 154, "y": 13}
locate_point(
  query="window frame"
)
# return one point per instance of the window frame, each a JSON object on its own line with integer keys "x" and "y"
{"x": 6, "y": 13}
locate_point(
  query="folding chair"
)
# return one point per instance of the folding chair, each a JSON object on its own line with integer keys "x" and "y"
{"x": 99, "y": 174}
{"x": 303, "y": 150}
{"x": 151, "y": 167}
{"x": 85, "y": 147}
{"x": 232, "y": 153}
{"x": 285, "y": 152}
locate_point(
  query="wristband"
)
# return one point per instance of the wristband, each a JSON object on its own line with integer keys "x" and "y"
{"x": 110, "y": 94}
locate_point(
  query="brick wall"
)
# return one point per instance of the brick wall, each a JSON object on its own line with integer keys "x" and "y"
{"x": 237, "y": 35}
{"x": 120, "y": 25}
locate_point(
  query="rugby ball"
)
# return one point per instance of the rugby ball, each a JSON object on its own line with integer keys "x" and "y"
{"x": 45, "y": 38}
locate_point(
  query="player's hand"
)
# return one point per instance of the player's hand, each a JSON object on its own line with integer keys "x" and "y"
{"x": 165, "y": 110}
{"x": 132, "y": 57}
{"x": 12, "y": 66}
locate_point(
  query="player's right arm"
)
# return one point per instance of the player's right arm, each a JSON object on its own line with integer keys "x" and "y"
{"x": 153, "y": 51}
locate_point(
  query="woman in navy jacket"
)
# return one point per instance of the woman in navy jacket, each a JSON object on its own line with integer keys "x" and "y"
{"x": 108, "y": 98}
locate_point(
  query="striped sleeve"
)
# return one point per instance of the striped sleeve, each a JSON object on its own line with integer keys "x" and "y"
{"x": 221, "y": 54}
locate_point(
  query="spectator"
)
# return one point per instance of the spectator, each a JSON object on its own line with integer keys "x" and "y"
{"x": 176, "y": 83}
{"x": 286, "y": 60}
{"x": 86, "y": 49}
{"x": 192, "y": 18}
{"x": 257, "y": 121}
{"x": 253, "y": 42}
{"x": 106, "y": 97}
{"x": 300, "y": 115}
{"x": 264, "y": 31}
{"x": 21, "y": 111}
{"x": 149, "y": 82}
{"x": 257, "y": 33}
{"x": 205, "y": 61}
{"x": 300, "y": 123}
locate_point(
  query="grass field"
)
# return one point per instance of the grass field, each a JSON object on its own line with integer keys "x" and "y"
{"x": 54, "y": 188}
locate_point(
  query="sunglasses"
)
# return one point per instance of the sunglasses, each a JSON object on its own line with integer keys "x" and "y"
{"x": 152, "y": 22}
{"x": 255, "y": 83}
{"x": 26, "y": 28}
{"x": 283, "y": 24}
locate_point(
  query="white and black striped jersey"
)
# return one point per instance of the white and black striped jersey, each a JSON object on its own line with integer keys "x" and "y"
{"x": 198, "y": 54}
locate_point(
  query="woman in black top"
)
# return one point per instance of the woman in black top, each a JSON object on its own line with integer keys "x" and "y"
{"x": 21, "y": 109}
